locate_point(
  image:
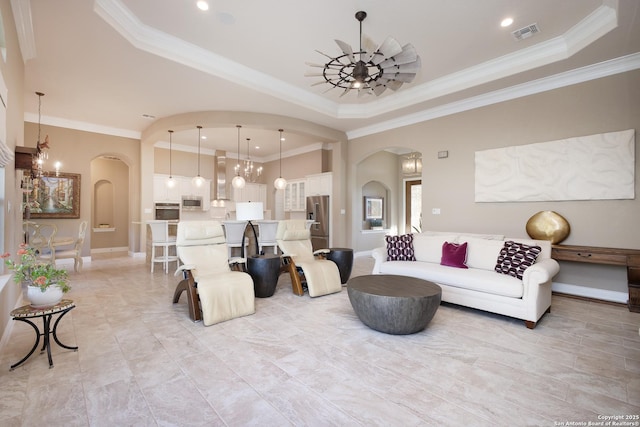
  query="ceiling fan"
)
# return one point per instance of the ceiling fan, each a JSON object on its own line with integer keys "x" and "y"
{"x": 370, "y": 70}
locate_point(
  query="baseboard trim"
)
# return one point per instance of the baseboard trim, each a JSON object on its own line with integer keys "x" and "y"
{"x": 109, "y": 250}
{"x": 590, "y": 293}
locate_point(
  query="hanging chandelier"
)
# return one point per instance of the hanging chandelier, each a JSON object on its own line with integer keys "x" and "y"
{"x": 251, "y": 173}
{"x": 370, "y": 70}
{"x": 42, "y": 147}
{"x": 412, "y": 164}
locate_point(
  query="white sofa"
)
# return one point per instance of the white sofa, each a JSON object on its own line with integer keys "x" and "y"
{"x": 479, "y": 286}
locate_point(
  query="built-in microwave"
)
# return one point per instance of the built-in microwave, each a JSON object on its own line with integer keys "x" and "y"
{"x": 192, "y": 203}
{"x": 167, "y": 211}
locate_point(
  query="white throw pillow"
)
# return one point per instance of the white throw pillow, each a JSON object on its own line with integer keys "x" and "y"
{"x": 429, "y": 248}
{"x": 483, "y": 253}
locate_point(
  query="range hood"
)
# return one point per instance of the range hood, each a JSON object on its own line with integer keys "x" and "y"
{"x": 220, "y": 190}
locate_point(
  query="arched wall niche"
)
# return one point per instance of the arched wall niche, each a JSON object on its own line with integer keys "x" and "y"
{"x": 103, "y": 203}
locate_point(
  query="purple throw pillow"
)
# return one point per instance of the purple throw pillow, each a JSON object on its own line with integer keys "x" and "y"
{"x": 400, "y": 248}
{"x": 515, "y": 258}
{"x": 454, "y": 255}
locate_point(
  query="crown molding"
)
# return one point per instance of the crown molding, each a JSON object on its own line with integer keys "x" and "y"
{"x": 82, "y": 126}
{"x": 233, "y": 155}
{"x": 156, "y": 42}
{"x": 24, "y": 28}
{"x": 568, "y": 78}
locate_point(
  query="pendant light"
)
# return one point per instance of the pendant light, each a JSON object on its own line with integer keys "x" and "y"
{"x": 238, "y": 181}
{"x": 198, "y": 181}
{"x": 171, "y": 182}
{"x": 280, "y": 183}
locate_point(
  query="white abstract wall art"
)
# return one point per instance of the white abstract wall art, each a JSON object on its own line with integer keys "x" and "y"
{"x": 594, "y": 167}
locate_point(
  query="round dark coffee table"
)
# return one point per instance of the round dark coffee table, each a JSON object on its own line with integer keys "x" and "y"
{"x": 393, "y": 304}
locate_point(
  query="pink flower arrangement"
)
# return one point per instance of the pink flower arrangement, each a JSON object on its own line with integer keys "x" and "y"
{"x": 36, "y": 273}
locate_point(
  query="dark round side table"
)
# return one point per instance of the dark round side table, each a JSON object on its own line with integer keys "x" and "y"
{"x": 343, "y": 257}
{"x": 264, "y": 270}
{"x": 27, "y": 312}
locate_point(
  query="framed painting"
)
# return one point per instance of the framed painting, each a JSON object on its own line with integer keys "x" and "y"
{"x": 373, "y": 208}
{"x": 55, "y": 196}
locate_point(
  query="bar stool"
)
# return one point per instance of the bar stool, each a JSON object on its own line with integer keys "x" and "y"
{"x": 267, "y": 235}
{"x": 160, "y": 239}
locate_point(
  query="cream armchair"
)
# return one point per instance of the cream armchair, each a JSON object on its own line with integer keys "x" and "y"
{"x": 215, "y": 293}
{"x": 303, "y": 264}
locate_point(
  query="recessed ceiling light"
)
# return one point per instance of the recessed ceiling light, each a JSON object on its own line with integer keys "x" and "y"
{"x": 203, "y": 137}
{"x": 202, "y": 5}
{"x": 506, "y": 22}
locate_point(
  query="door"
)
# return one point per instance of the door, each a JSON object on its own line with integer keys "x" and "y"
{"x": 413, "y": 206}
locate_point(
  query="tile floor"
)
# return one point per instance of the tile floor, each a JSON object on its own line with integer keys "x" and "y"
{"x": 303, "y": 361}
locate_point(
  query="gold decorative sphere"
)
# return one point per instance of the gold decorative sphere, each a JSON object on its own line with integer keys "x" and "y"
{"x": 548, "y": 225}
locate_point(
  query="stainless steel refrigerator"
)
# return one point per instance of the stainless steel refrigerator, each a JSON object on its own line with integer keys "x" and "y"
{"x": 318, "y": 211}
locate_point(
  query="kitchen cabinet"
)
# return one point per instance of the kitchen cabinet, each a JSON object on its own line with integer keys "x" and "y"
{"x": 295, "y": 195}
{"x": 183, "y": 187}
{"x": 319, "y": 184}
{"x": 251, "y": 192}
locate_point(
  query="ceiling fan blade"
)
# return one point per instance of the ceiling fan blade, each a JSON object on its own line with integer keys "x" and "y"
{"x": 402, "y": 77}
{"x": 345, "y": 92}
{"x": 368, "y": 47}
{"x": 319, "y": 83}
{"x": 364, "y": 92}
{"x": 313, "y": 74}
{"x": 313, "y": 64}
{"x": 379, "y": 89}
{"x": 389, "y": 48}
{"x": 407, "y": 56}
{"x": 390, "y": 84}
{"x": 346, "y": 49}
{"x": 324, "y": 54}
{"x": 404, "y": 68}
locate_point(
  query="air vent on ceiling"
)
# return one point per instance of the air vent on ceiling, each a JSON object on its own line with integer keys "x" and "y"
{"x": 526, "y": 32}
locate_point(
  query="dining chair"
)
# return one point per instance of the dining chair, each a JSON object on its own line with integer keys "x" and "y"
{"x": 234, "y": 232}
{"x": 160, "y": 239}
{"x": 40, "y": 235}
{"x": 267, "y": 235}
{"x": 75, "y": 252}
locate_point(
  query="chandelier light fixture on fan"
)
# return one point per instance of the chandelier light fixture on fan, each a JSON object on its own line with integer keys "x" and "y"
{"x": 370, "y": 70}
{"x": 171, "y": 182}
{"x": 280, "y": 183}
{"x": 197, "y": 180}
{"x": 238, "y": 181}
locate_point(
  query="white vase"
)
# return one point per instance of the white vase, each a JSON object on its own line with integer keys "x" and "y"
{"x": 50, "y": 297}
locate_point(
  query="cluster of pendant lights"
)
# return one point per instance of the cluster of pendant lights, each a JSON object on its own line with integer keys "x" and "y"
{"x": 238, "y": 181}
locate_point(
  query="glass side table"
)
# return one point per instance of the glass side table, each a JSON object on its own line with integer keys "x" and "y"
{"x": 27, "y": 312}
